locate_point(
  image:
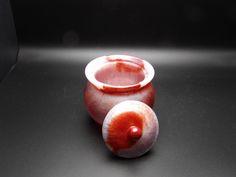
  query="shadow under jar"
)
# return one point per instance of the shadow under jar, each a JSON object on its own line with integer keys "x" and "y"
{"x": 116, "y": 78}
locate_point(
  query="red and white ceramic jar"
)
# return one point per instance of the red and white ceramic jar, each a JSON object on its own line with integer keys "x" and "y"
{"x": 116, "y": 78}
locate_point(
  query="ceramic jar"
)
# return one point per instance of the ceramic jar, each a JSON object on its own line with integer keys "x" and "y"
{"x": 116, "y": 78}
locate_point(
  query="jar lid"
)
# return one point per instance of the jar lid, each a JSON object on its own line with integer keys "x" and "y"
{"x": 130, "y": 129}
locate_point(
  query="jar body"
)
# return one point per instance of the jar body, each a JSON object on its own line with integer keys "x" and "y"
{"x": 99, "y": 102}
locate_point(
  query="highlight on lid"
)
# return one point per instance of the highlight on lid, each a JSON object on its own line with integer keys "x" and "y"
{"x": 130, "y": 129}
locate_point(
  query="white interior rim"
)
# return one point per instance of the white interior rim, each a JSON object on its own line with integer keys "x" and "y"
{"x": 94, "y": 65}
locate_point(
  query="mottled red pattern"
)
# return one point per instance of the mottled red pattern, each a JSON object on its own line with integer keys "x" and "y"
{"x": 119, "y": 130}
{"x": 125, "y": 67}
{"x": 132, "y": 60}
{"x": 113, "y": 89}
{"x": 99, "y": 102}
{"x": 120, "y": 77}
{"x": 120, "y": 74}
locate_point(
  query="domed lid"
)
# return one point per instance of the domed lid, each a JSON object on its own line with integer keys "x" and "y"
{"x": 130, "y": 128}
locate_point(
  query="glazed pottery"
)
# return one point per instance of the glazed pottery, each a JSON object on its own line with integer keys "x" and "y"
{"x": 116, "y": 78}
{"x": 130, "y": 129}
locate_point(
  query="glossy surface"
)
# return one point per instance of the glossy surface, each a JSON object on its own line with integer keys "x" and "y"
{"x": 45, "y": 130}
{"x": 130, "y": 129}
{"x": 139, "y": 71}
{"x": 134, "y": 133}
{"x": 121, "y": 131}
{"x": 115, "y": 78}
{"x": 98, "y": 103}
{"x": 120, "y": 74}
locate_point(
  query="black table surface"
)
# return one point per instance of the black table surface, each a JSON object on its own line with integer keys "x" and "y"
{"x": 45, "y": 130}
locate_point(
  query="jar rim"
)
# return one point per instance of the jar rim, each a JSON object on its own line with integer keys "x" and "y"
{"x": 94, "y": 65}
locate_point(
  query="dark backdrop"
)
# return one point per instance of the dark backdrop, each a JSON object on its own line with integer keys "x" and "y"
{"x": 8, "y": 42}
{"x": 159, "y": 22}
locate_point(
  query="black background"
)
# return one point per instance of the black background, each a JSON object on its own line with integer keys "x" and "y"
{"x": 203, "y": 23}
{"x": 8, "y": 42}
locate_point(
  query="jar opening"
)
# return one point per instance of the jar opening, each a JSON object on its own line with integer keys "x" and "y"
{"x": 119, "y": 73}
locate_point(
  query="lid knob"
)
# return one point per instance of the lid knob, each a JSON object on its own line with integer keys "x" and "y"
{"x": 134, "y": 133}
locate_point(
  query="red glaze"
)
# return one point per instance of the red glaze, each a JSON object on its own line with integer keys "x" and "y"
{"x": 113, "y": 90}
{"x": 124, "y": 131}
{"x": 130, "y": 139}
{"x": 134, "y": 133}
{"x": 120, "y": 74}
{"x": 133, "y": 60}
{"x": 126, "y": 67}
{"x": 99, "y": 102}
{"x": 121, "y": 79}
